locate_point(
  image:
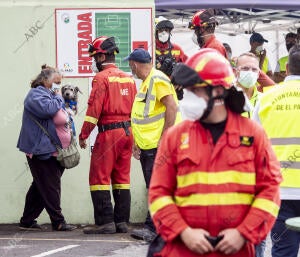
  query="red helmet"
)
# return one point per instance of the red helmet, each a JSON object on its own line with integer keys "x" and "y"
{"x": 205, "y": 68}
{"x": 104, "y": 45}
{"x": 203, "y": 18}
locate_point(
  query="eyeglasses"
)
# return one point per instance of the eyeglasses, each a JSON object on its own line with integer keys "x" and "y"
{"x": 247, "y": 68}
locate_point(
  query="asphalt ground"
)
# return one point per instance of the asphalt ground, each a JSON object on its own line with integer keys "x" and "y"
{"x": 14, "y": 242}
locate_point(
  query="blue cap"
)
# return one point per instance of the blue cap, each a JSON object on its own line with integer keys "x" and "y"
{"x": 139, "y": 55}
{"x": 256, "y": 37}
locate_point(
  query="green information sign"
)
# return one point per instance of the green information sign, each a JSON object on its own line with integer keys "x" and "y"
{"x": 116, "y": 25}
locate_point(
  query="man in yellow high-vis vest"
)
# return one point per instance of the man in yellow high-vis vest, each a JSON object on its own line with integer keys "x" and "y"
{"x": 280, "y": 70}
{"x": 155, "y": 109}
{"x": 256, "y": 42}
{"x": 279, "y": 112}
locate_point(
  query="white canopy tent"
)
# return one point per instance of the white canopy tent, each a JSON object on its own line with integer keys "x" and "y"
{"x": 238, "y": 19}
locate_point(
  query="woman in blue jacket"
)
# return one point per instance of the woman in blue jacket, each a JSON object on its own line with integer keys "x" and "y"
{"x": 42, "y": 103}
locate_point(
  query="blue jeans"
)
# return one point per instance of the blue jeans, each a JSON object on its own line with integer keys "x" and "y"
{"x": 285, "y": 242}
{"x": 260, "y": 249}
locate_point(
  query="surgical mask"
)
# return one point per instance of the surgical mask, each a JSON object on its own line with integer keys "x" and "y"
{"x": 94, "y": 66}
{"x": 247, "y": 78}
{"x": 259, "y": 49}
{"x": 55, "y": 86}
{"x": 194, "y": 39}
{"x": 192, "y": 106}
{"x": 163, "y": 36}
{"x": 200, "y": 40}
{"x": 134, "y": 73}
{"x": 134, "y": 76}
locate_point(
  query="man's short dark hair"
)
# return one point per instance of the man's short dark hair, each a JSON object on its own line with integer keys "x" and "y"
{"x": 290, "y": 35}
{"x": 294, "y": 60}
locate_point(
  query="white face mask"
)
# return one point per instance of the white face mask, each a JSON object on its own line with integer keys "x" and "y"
{"x": 94, "y": 67}
{"x": 247, "y": 78}
{"x": 55, "y": 86}
{"x": 259, "y": 49}
{"x": 163, "y": 36}
{"x": 194, "y": 39}
{"x": 134, "y": 76}
{"x": 192, "y": 106}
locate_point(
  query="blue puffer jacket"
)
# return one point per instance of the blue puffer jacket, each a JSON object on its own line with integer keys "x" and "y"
{"x": 42, "y": 105}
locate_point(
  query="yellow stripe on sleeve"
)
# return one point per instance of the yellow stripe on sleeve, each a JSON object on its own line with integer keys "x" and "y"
{"x": 91, "y": 119}
{"x": 267, "y": 206}
{"x": 160, "y": 203}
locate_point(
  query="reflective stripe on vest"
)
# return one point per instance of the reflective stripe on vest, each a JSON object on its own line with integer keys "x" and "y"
{"x": 284, "y": 102}
{"x": 173, "y": 52}
{"x": 147, "y": 123}
{"x": 120, "y": 80}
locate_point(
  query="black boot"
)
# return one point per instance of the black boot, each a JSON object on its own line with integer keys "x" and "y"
{"x": 122, "y": 200}
{"x": 103, "y": 214}
{"x": 103, "y": 210}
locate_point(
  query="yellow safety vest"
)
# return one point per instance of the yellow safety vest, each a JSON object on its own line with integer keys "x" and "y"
{"x": 282, "y": 63}
{"x": 265, "y": 66}
{"x": 253, "y": 101}
{"x": 148, "y": 114}
{"x": 284, "y": 101}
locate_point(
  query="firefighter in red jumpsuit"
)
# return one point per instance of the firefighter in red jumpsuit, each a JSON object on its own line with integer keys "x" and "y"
{"x": 167, "y": 54}
{"x": 204, "y": 23}
{"x": 109, "y": 108}
{"x": 214, "y": 189}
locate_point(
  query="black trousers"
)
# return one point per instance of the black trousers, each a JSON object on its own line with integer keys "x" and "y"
{"x": 147, "y": 158}
{"x": 44, "y": 191}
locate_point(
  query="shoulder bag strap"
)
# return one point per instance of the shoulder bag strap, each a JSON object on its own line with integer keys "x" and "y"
{"x": 45, "y": 131}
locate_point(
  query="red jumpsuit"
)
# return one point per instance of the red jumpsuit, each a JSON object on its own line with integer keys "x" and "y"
{"x": 176, "y": 51}
{"x": 110, "y": 101}
{"x": 232, "y": 184}
{"x": 215, "y": 44}
{"x": 110, "y": 105}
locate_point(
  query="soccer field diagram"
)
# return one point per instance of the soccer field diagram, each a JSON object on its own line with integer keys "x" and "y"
{"x": 116, "y": 25}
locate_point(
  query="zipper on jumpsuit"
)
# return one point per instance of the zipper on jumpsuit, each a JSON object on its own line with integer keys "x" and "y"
{"x": 211, "y": 146}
